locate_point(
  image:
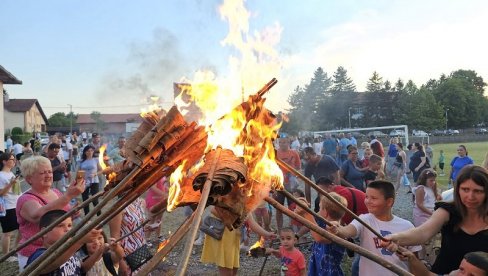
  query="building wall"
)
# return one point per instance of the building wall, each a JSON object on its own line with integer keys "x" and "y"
{"x": 34, "y": 120}
{"x": 13, "y": 119}
{"x": 111, "y": 128}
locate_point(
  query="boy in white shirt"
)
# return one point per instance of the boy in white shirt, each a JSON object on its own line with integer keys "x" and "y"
{"x": 380, "y": 196}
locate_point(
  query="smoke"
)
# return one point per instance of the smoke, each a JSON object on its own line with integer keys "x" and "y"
{"x": 150, "y": 69}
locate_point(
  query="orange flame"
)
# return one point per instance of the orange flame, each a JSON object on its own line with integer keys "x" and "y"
{"x": 174, "y": 193}
{"x": 100, "y": 156}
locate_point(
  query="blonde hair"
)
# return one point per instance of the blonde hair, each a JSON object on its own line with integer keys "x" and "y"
{"x": 334, "y": 211}
{"x": 365, "y": 145}
{"x": 31, "y": 165}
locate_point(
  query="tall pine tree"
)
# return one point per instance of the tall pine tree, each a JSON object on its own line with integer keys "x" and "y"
{"x": 375, "y": 83}
{"x": 341, "y": 82}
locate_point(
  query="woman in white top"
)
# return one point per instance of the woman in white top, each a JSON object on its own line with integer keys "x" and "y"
{"x": 9, "y": 191}
{"x": 425, "y": 197}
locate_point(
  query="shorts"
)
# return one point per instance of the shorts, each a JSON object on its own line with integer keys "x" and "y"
{"x": 441, "y": 166}
{"x": 9, "y": 221}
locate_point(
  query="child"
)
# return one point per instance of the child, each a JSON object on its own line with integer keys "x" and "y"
{"x": 380, "y": 196}
{"x": 425, "y": 194}
{"x": 367, "y": 154}
{"x": 441, "y": 163}
{"x": 295, "y": 225}
{"x": 326, "y": 257}
{"x": 99, "y": 261}
{"x": 292, "y": 260}
{"x": 67, "y": 263}
{"x": 262, "y": 216}
{"x": 374, "y": 170}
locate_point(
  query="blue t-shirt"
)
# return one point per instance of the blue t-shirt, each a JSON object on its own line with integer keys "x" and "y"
{"x": 330, "y": 146}
{"x": 344, "y": 142}
{"x": 325, "y": 258}
{"x": 353, "y": 175}
{"x": 458, "y": 163}
{"x": 71, "y": 267}
{"x": 392, "y": 151}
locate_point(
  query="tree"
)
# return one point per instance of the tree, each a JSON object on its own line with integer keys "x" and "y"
{"x": 59, "y": 119}
{"x": 375, "y": 83}
{"x": 411, "y": 88}
{"x": 341, "y": 82}
{"x": 99, "y": 123}
{"x": 399, "y": 86}
{"x": 473, "y": 81}
{"x": 387, "y": 87}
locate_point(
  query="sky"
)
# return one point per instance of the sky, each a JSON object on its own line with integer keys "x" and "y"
{"x": 110, "y": 56}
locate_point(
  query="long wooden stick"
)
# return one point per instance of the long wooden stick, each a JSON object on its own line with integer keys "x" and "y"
{"x": 304, "y": 206}
{"x": 289, "y": 168}
{"x": 172, "y": 241}
{"x": 51, "y": 226}
{"x": 79, "y": 230}
{"x": 198, "y": 215}
{"x": 356, "y": 248}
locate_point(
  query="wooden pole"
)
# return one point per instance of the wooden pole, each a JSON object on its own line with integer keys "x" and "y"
{"x": 79, "y": 230}
{"x": 356, "y": 248}
{"x": 324, "y": 193}
{"x": 195, "y": 227}
{"x": 172, "y": 241}
{"x": 51, "y": 226}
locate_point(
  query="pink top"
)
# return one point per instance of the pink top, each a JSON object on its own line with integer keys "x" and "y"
{"x": 151, "y": 197}
{"x": 28, "y": 229}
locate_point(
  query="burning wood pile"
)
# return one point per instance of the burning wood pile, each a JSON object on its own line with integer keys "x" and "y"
{"x": 229, "y": 164}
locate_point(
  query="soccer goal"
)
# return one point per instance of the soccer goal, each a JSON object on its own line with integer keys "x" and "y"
{"x": 400, "y": 131}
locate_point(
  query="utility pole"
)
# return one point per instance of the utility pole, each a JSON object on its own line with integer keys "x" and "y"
{"x": 70, "y": 119}
{"x": 447, "y": 109}
{"x": 349, "y": 113}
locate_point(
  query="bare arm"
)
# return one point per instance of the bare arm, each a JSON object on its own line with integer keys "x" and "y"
{"x": 348, "y": 231}
{"x": 422, "y": 163}
{"x": 7, "y": 187}
{"x": 32, "y": 211}
{"x": 256, "y": 228}
{"x": 88, "y": 262}
{"x": 115, "y": 224}
{"x": 343, "y": 181}
{"x": 424, "y": 232}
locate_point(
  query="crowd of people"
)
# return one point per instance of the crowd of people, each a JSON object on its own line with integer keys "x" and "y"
{"x": 365, "y": 179}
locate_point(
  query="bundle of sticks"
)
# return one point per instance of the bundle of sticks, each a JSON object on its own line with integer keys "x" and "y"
{"x": 154, "y": 151}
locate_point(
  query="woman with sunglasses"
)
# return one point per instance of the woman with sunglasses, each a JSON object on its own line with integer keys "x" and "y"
{"x": 9, "y": 193}
{"x": 459, "y": 162}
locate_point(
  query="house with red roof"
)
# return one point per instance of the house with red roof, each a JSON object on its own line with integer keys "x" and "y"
{"x": 24, "y": 113}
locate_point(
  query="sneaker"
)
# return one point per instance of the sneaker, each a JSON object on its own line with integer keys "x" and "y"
{"x": 12, "y": 259}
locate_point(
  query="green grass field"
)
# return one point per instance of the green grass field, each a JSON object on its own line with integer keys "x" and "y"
{"x": 476, "y": 150}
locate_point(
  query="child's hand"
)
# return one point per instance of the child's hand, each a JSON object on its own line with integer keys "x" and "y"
{"x": 389, "y": 243}
{"x": 299, "y": 210}
{"x": 92, "y": 235}
{"x": 334, "y": 228}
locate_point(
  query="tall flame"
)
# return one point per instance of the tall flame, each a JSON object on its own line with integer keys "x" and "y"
{"x": 233, "y": 128}
{"x": 100, "y": 156}
{"x": 174, "y": 192}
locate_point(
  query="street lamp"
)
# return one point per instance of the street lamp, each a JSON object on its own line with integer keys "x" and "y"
{"x": 447, "y": 109}
{"x": 349, "y": 113}
{"x": 70, "y": 119}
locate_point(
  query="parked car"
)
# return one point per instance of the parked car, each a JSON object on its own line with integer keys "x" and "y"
{"x": 357, "y": 134}
{"x": 419, "y": 133}
{"x": 397, "y": 133}
{"x": 481, "y": 131}
{"x": 44, "y": 140}
{"x": 452, "y": 132}
{"x": 438, "y": 132}
{"x": 378, "y": 134}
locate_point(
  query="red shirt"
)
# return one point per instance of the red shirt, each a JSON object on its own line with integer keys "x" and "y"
{"x": 292, "y": 262}
{"x": 347, "y": 192}
{"x": 291, "y": 158}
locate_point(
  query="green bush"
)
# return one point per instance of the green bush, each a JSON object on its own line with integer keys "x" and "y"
{"x": 17, "y": 131}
